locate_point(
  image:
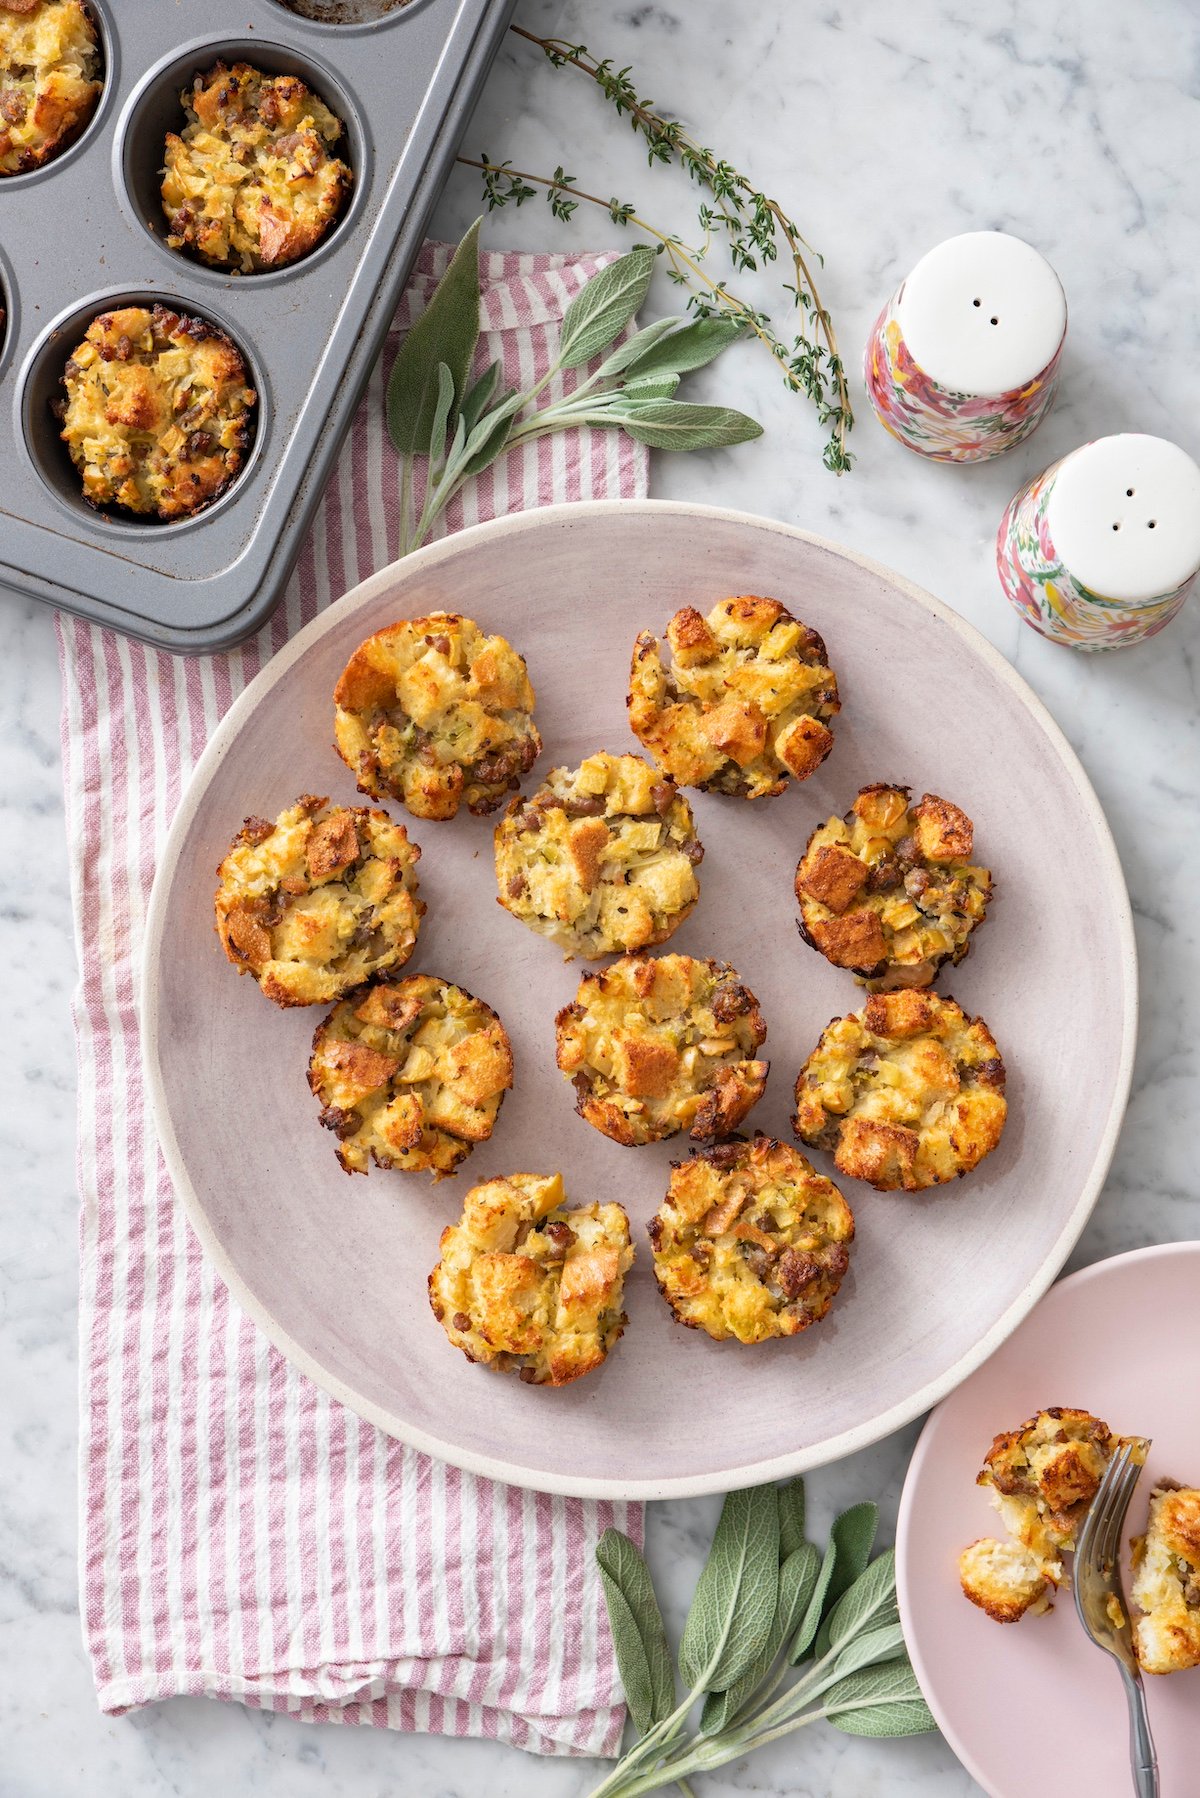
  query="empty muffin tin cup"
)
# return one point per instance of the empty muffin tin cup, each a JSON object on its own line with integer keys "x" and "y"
{"x": 40, "y": 430}
{"x": 1102, "y": 549}
{"x": 154, "y": 109}
{"x": 346, "y": 14}
{"x": 962, "y": 363}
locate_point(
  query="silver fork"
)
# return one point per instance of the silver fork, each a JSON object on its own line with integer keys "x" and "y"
{"x": 1100, "y": 1600}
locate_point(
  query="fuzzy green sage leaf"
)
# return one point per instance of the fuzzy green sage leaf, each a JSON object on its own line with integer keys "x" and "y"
{"x": 639, "y": 1637}
{"x": 879, "y": 1701}
{"x": 674, "y": 425}
{"x": 852, "y": 1537}
{"x": 734, "y": 1605}
{"x": 797, "y": 1578}
{"x": 446, "y": 332}
{"x": 602, "y": 309}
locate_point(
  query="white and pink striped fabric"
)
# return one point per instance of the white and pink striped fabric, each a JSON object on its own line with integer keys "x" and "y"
{"x": 244, "y": 1536}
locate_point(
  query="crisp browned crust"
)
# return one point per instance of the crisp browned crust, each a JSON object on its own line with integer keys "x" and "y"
{"x": 50, "y": 79}
{"x": 1004, "y": 1580}
{"x": 745, "y": 702}
{"x": 656, "y": 1044}
{"x": 318, "y": 901}
{"x": 750, "y": 1241}
{"x": 602, "y": 857}
{"x": 411, "y": 1074}
{"x": 889, "y": 891}
{"x": 157, "y": 412}
{"x": 436, "y": 714}
{"x": 907, "y": 1093}
{"x": 252, "y": 181}
{"x": 526, "y": 1285}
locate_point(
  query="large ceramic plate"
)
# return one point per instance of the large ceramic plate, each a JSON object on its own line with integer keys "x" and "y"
{"x": 1033, "y": 1706}
{"x": 334, "y": 1267}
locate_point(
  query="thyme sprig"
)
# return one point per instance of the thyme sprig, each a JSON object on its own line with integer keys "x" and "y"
{"x": 753, "y": 227}
{"x": 766, "y": 1602}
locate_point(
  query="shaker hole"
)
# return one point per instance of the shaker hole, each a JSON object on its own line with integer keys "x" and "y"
{"x": 977, "y": 302}
{"x": 1151, "y": 524}
{"x": 1129, "y": 493}
{"x": 994, "y": 321}
{"x": 1116, "y": 527}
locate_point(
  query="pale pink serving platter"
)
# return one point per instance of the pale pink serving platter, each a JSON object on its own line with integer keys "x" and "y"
{"x": 1033, "y": 1706}
{"x": 334, "y": 1268}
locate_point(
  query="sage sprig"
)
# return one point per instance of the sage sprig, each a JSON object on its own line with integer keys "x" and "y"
{"x": 765, "y": 1602}
{"x": 460, "y": 426}
{"x": 732, "y": 210}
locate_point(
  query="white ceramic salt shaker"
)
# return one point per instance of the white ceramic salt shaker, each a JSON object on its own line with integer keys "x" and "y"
{"x": 962, "y": 363}
{"x": 1102, "y": 548}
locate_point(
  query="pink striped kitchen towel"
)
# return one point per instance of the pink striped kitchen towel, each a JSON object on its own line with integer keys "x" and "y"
{"x": 242, "y": 1535}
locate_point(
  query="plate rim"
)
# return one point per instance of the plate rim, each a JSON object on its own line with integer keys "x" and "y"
{"x": 419, "y": 564}
{"x": 1082, "y": 1276}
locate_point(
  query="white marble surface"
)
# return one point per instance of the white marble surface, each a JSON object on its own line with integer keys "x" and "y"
{"x": 885, "y": 129}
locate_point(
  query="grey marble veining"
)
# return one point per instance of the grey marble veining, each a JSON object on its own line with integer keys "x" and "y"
{"x": 884, "y": 129}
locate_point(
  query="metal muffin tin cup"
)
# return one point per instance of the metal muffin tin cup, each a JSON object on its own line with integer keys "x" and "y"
{"x": 90, "y": 224}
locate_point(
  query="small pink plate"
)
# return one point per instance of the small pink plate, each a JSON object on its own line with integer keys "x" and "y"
{"x": 1033, "y": 1706}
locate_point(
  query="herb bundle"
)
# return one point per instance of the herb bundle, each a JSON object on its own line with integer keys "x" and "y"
{"x": 753, "y": 226}
{"x": 766, "y": 1602}
{"x": 436, "y": 410}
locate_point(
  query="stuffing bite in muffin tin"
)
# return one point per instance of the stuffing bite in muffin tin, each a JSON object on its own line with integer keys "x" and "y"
{"x": 157, "y": 413}
{"x": 890, "y": 890}
{"x": 601, "y": 858}
{"x": 438, "y": 715}
{"x": 252, "y": 181}
{"x": 1042, "y": 1479}
{"x": 319, "y": 901}
{"x": 906, "y": 1094}
{"x": 410, "y": 1074}
{"x": 657, "y": 1044}
{"x": 743, "y": 704}
{"x": 529, "y": 1285}
{"x": 50, "y": 79}
{"x": 750, "y": 1241}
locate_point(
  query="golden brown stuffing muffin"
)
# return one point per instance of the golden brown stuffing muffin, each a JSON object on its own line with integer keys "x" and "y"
{"x": 750, "y": 1241}
{"x": 158, "y": 411}
{"x": 49, "y": 79}
{"x": 1166, "y": 1582}
{"x": 656, "y": 1044}
{"x": 252, "y": 181}
{"x": 889, "y": 890}
{"x": 1004, "y": 1580}
{"x": 906, "y": 1093}
{"x": 602, "y": 857}
{"x": 436, "y": 714}
{"x": 744, "y": 703}
{"x": 526, "y": 1285}
{"x": 319, "y": 901}
{"x": 410, "y": 1074}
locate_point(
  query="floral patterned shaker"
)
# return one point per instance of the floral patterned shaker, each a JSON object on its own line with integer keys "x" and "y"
{"x": 1101, "y": 549}
{"x": 962, "y": 363}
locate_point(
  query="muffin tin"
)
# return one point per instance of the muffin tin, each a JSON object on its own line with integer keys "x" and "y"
{"x": 86, "y": 233}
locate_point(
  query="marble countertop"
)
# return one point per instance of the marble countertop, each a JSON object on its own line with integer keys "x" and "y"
{"x": 884, "y": 129}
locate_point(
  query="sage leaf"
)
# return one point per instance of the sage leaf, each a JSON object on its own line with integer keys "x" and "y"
{"x": 805, "y": 1635}
{"x": 604, "y": 307}
{"x": 446, "y": 332}
{"x": 879, "y": 1701}
{"x": 873, "y": 1645}
{"x": 441, "y": 413}
{"x": 626, "y": 1577}
{"x": 490, "y": 436}
{"x": 869, "y": 1604}
{"x": 791, "y": 1520}
{"x": 475, "y": 400}
{"x": 654, "y": 387}
{"x": 736, "y": 1595}
{"x": 628, "y": 353}
{"x": 691, "y": 346}
{"x": 852, "y": 1537}
{"x": 797, "y": 1578}
{"x": 674, "y": 425}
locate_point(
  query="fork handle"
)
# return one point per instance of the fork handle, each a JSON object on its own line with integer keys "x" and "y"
{"x": 1142, "y": 1758}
